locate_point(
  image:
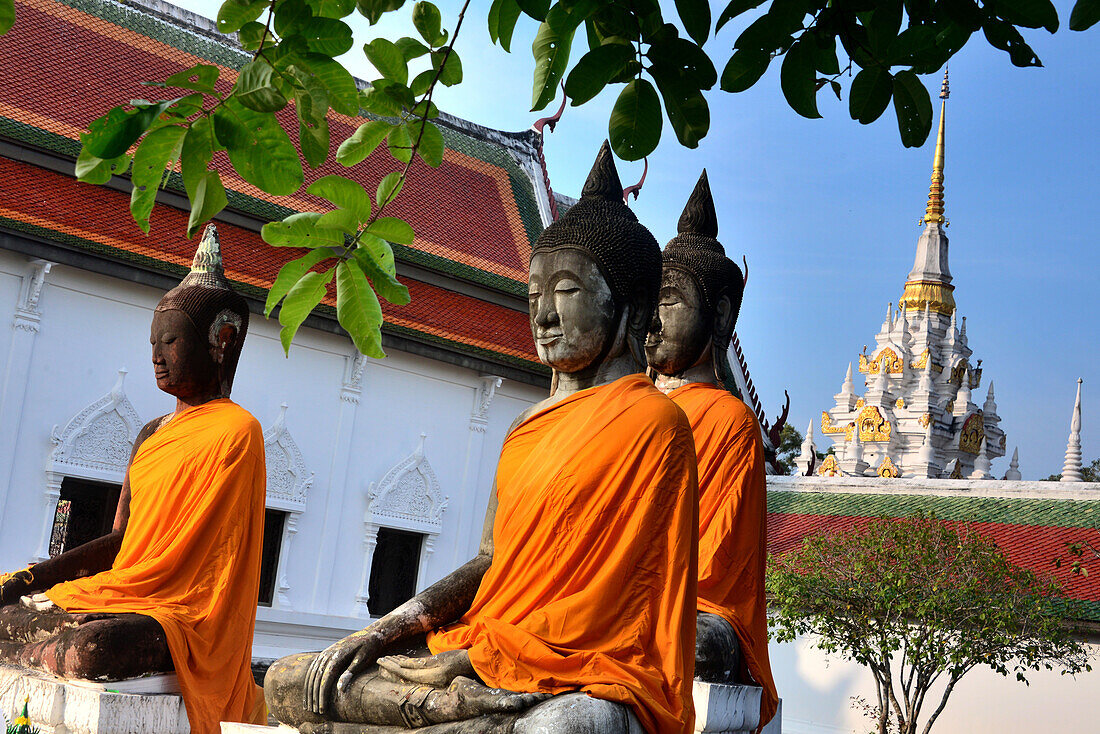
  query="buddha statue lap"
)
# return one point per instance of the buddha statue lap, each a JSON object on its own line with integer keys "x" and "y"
{"x": 697, "y": 308}
{"x": 172, "y": 587}
{"x": 577, "y": 615}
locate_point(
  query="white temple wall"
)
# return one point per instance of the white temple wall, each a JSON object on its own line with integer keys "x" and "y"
{"x": 817, "y": 692}
{"x": 350, "y": 426}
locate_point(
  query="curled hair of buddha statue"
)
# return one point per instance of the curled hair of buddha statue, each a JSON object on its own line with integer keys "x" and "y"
{"x": 602, "y": 225}
{"x": 208, "y": 301}
{"x": 696, "y": 251}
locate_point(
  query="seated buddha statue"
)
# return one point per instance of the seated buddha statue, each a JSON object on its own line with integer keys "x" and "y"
{"x": 173, "y": 587}
{"x": 697, "y": 308}
{"x": 577, "y": 614}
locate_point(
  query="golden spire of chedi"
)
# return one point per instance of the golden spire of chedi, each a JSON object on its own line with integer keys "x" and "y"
{"x": 934, "y": 211}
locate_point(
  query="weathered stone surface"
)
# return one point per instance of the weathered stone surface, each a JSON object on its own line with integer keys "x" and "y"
{"x": 722, "y": 709}
{"x": 57, "y": 706}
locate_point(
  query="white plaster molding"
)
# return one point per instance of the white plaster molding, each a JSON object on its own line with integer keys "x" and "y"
{"x": 27, "y": 314}
{"x": 351, "y": 388}
{"x": 287, "y": 489}
{"x": 95, "y": 444}
{"x": 407, "y": 498}
{"x": 484, "y": 393}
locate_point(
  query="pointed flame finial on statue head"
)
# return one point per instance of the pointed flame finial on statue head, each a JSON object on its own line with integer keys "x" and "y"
{"x": 699, "y": 216}
{"x": 603, "y": 180}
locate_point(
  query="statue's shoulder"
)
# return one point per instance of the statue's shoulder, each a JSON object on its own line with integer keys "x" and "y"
{"x": 233, "y": 420}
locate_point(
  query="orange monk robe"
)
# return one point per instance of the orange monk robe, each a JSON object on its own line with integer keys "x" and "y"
{"x": 592, "y": 585}
{"x": 190, "y": 556}
{"x": 733, "y": 523}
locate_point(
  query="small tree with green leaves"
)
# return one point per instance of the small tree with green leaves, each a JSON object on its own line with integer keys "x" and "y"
{"x": 921, "y": 603}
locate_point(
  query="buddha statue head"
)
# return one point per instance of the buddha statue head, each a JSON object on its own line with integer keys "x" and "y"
{"x": 593, "y": 278}
{"x": 199, "y": 328}
{"x": 700, "y": 294}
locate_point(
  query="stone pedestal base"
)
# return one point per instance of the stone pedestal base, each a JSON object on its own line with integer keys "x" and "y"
{"x": 56, "y": 706}
{"x": 719, "y": 709}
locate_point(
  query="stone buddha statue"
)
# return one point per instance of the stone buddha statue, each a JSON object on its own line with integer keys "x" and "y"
{"x": 697, "y": 308}
{"x": 577, "y": 615}
{"x": 173, "y": 587}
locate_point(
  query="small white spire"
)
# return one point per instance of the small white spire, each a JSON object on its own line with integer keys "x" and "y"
{"x": 807, "y": 457}
{"x": 1071, "y": 471}
{"x": 926, "y": 453}
{"x": 962, "y": 397}
{"x": 981, "y": 464}
{"x": 990, "y": 406}
{"x": 848, "y": 386}
{"x": 924, "y": 385}
{"x": 1013, "y": 473}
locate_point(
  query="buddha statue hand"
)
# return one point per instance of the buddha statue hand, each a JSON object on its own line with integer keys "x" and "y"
{"x": 15, "y": 585}
{"x": 336, "y": 665}
{"x": 434, "y": 670}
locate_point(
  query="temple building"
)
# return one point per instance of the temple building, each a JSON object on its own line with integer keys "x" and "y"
{"x": 921, "y": 414}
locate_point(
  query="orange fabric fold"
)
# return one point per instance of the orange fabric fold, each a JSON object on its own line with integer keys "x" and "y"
{"x": 190, "y": 557}
{"x": 593, "y": 580}
{"x": 733, "y": 523}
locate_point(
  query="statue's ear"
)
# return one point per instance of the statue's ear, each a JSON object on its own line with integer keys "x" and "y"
{"x": 723, "y": 319}
{"x": 225, "y": 340}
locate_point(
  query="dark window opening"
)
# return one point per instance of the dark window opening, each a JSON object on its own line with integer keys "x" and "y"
{"x": 269, "y": 558}
{"x": 85, "y": 511}
{"x": 393, "y": 570}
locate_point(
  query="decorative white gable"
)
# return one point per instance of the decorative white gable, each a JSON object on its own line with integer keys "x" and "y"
{"x": 287, "y": 487}
{"x": 407, "y": 498}
{"x": 95, "y": 444}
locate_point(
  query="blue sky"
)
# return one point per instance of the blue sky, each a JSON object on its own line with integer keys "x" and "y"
{"x": 826, "y": 212}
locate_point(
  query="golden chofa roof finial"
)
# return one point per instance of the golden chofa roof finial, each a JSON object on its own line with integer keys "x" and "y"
{"x": 934, "y": 211}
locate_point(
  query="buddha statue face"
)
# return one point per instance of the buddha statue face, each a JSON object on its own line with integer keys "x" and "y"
{"x": 573, "y": 313}
{"x": 682, "y": 328}
{"x": 185, "y": 364}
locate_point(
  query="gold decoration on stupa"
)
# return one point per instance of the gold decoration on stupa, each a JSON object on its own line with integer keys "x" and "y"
{"x": 899, "y": 403}
{"x": 829, "y": 467}
{"x": 873, "y": 426}
{"x": 973, "y": 431}
{"x": 888, "y": 469}
{"x": 894, "y": 365}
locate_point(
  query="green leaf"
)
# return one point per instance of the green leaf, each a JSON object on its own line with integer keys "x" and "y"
{"x": 537, "y": 9}
{"x": 291, "y": 17}
{"x": 112, "y": 135}
{"x": 344, "y": 193}
{"x": 595, "y": 70}
{"x": 685, "y": 60}
{"x": 422, "y": 81}
{"x": 763, "y": 34}
{"x": 338, "y": 81}
{"x": 695, "y": 15}
{"x": 426, "y": 19}
{"x": 870, "y": 94}
{"x": 362, "y": 142}
{"x": 388, "y": 188}
{"x": 290, "y": 274}
{"x": 7, "y": 15}
{"x": 200, "y": 77}
{"x": 410, "y": 48}
{"x": 431, "y": 142}
{"x": 1085, "y": 15}
{"x": 331, "y": 8}
{"x": 1029, "y": 13}
{"x": 503, "y": 15}
{"x": 196, "y": 154}
{"x": 744, "y": 69}
{"x": 685, "y": 105}
{"x": 327, "y": 36}
{"x": 1005, "y": 37}
{"x": 256, "y": 88}
{"x": 425, "y": 109}
{"x": 302, "y": 298}
{"x": 254, "y": 34}
{"x": 452, "y": 67}
{"x": 372, "y": 10}
{"x": 825, "y": 55}
{"x": 313, "y": 138}
{"x": 385, "y": 284}
{"x": 551, "y": 50}
{"x": 376, "y": 100}
{"x": 387, "y": 58}
{"x": 233, "y": 15}
{"x": 798, "y": 80}
{"x": 208, "y": 200}
{"x": 392, "y": 229}
{"x": 258, "y": 148}
{"x": 301, "y": 230}
{"x": 357, "y": 309}
{"x": 157, "y": 150}
{"x": 734, "y": 9}
{"x": 635, "y": 125}
{"x": 399, "y": 143}
{"x": 380, "y": 253}
{"x": 340, "y": 219}
{"x": 913, "y": 108}
{"x": 90, "y": 169}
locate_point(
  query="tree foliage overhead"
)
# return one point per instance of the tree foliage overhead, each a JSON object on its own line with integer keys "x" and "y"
{"x": 883, "y": 45}
{"x": 920, "y": 603}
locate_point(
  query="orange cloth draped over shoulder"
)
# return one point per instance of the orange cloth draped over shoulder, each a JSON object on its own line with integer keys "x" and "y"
{"x": 190, "y": 556}
{"x": 733, "y": 523}
{"x": 592, "y": 585}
